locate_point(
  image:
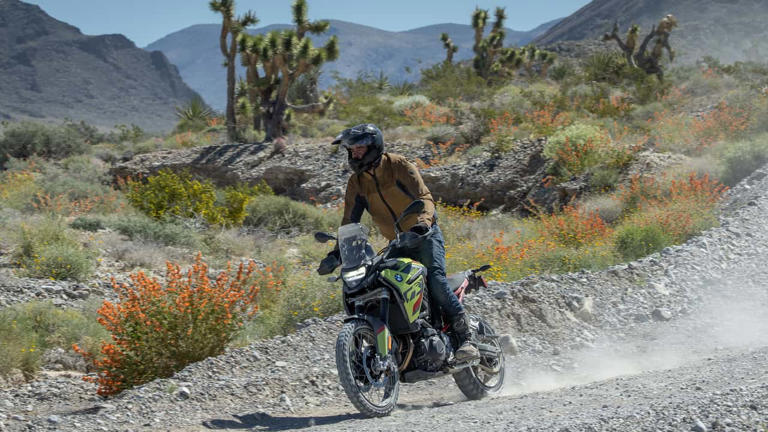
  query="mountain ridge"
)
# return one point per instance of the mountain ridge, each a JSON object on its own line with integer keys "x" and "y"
{"x": 49, "y": 70}
{"x": 195, "y": 51}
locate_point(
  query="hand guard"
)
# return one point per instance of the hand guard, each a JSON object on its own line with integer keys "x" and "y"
{"x": 329, "y": 263}
{"x": 420, "y": 229}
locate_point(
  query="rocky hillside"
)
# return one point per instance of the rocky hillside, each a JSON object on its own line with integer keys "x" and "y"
{"x": 49, "y": 70}
{"x": 730, "y": 30}
{"x": 195, "y": 50}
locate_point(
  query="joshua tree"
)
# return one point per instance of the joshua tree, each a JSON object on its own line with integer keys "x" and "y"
{"x": 231, "y": 27}
{"x": 640, "y": 58}
{"x": 450, "y": 47}
{"x": 276, "y": 60}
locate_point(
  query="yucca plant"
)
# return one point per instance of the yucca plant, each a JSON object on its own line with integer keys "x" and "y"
{"x": 194, "y": 116}
{"x": 450, "y": 47}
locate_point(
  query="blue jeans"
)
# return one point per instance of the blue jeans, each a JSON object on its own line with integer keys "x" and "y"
{"x": 432, "y": 255}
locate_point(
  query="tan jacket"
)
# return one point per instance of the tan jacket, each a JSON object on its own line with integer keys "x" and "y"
{"x": 385, "y": 193}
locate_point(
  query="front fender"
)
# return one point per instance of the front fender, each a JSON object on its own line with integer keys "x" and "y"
{"x": 383, "y": 335}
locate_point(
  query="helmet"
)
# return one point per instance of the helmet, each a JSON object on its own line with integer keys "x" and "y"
{"x": 366, "y": 134}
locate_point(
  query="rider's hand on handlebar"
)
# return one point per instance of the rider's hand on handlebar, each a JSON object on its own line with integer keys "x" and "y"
{"x": 329, "y": 263}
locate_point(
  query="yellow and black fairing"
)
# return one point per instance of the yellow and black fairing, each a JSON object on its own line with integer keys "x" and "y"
{"x": 399, "y": 299}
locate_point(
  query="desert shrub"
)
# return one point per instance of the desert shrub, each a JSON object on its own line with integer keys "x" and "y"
{"x": 741, "y": 158}
{"x": 85, "y": 223}
{"x": 510, "y": 99}
{"x": 168, "y": 194}
{"x": 443, "y": 82}
{"x": 606, "y": 66}
{"x": 157, "y": 329}
{"x": 194, "y": 116}
{"x": 18, "y": 188}
{"x": 409, "y": 103}
{"x": 562, "y": 71}
{"x": 608, "y": 207}
{"x": 47, "y": 250}
{"x": 304, "y": 295}
{"x": 577, "y": 148}
{"x": 367, "y": 108}
{"x": 572, "y": 227}
{"x": 633, "y": 242}
{"x": 142, "y": 228}
{"x": 25, "y": 139}
{"x": 282, "y": 214}
{"x": 29, "y": 329}
{"x": 441, "y": 134}
{"x": 604, "y": 178}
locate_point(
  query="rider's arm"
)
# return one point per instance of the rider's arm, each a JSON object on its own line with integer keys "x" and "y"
{"x": 354, "y": 202}
{"x": 407, "y": 177}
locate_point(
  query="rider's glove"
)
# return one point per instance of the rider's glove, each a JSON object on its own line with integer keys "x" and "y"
{"x": 420, "y": 228}
{"x": 329, "y": 263}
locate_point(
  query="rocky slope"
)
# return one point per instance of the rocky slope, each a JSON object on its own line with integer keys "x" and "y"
{"x": 49, "y": 70}
{"x": 304, "y": 173}
{"x": 730, "y": 30}
{"x": 195, "y": 50}
{"x": 698, "y": 309}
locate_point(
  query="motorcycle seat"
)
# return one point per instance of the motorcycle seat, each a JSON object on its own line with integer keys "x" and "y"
{"x": 456, "y": 280}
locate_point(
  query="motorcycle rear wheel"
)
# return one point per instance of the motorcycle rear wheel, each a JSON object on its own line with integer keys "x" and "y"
{"x": 374, "y": 395}
{"x": 477, "y": 382}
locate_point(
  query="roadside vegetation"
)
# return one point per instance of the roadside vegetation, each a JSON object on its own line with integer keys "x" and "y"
{"x": 63, "y": 217}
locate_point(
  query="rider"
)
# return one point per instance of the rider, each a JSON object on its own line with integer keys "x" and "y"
{"x": 385, "y": 184}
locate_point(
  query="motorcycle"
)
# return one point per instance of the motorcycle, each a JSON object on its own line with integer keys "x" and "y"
{"x": 393, "y": 333}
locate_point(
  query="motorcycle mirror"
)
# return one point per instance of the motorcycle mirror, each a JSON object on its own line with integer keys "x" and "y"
{"x": 414, "y": 207}
{"x": 482, "y": 268}
{"x": 322, "y": 237}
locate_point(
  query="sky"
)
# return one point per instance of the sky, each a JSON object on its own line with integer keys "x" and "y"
{"x": 145, "y": 21}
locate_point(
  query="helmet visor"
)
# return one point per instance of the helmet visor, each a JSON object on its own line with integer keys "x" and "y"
{"x": 359, "y": 140}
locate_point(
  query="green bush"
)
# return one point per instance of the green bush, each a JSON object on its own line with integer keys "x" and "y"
{"x": 169, "y": 194}
{"x": 281, "y": 214}
{"x": 143, "y": 228}
{"x": 444, "y": 81}
{"x": 85, "y": 223}
{"x": 633, "y": 242}
{"x": 741, "y": 158}
{"x": 47, "y": 250}
{"x": 30, "y": 329}
{"x": 409, "y": 102}
{"x": 577, "y": 148}
{"x": 25, "y": 139}
{"x": 606, "y": 66}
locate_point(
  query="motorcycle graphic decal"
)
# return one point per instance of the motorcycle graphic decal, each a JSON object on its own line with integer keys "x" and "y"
{"x": 408, "y": 278}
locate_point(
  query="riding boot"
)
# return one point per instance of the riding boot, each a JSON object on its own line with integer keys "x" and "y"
{"x": 467, "y": 350}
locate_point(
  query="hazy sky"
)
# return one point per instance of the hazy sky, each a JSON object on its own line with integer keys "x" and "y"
{"x": 145, "y": 21}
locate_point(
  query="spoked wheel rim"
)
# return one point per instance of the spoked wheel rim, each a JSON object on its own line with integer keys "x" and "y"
{"x": 376, "y": 388}
{"x": 489, "y": 373}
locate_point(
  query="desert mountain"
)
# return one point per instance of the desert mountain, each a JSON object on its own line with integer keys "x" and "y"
{"x": 50, "y": 70}
{"x": 730, "y": 30}
{"x": 195, "y": 51}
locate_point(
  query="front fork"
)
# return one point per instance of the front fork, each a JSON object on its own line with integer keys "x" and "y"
{"x": 380, "y": 327}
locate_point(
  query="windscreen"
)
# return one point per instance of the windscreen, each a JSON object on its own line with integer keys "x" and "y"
{"x": 353, "y": 239}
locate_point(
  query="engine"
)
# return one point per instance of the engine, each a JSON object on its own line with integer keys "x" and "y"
{"x": 432, "y": 349}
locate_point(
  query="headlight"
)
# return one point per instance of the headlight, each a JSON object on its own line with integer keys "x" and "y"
{"x": 352, "y": 277}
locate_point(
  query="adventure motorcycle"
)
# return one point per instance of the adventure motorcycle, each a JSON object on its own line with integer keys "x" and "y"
{"x": 393, "y": 333}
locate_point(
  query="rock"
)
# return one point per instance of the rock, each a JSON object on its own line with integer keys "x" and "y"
{"x": 698, "y": 426}
{"x": 54, "y": 419}
{"x": 661, "y": 314}
{"x": 17, "y": 417}
{"x": 183, "y": 393}
{"x": 285, "y": 400}
{"x": 281, "y": 363}
{"x": 499, "y": 294}
{"x": 509, "y": 344}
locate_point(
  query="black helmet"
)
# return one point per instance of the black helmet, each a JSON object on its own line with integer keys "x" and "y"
{"x": 363, "y": 134}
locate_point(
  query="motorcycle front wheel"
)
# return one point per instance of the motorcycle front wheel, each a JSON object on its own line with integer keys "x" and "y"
{"x": 373, "y": 393}
{"x": 477, "y": 382}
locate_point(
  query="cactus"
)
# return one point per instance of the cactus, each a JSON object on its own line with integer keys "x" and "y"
{"x": 450, "y": 47}
{"x": 231, "y": 28}
{"x": 275, "y": 61}
{"x": 640, "y": 58}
